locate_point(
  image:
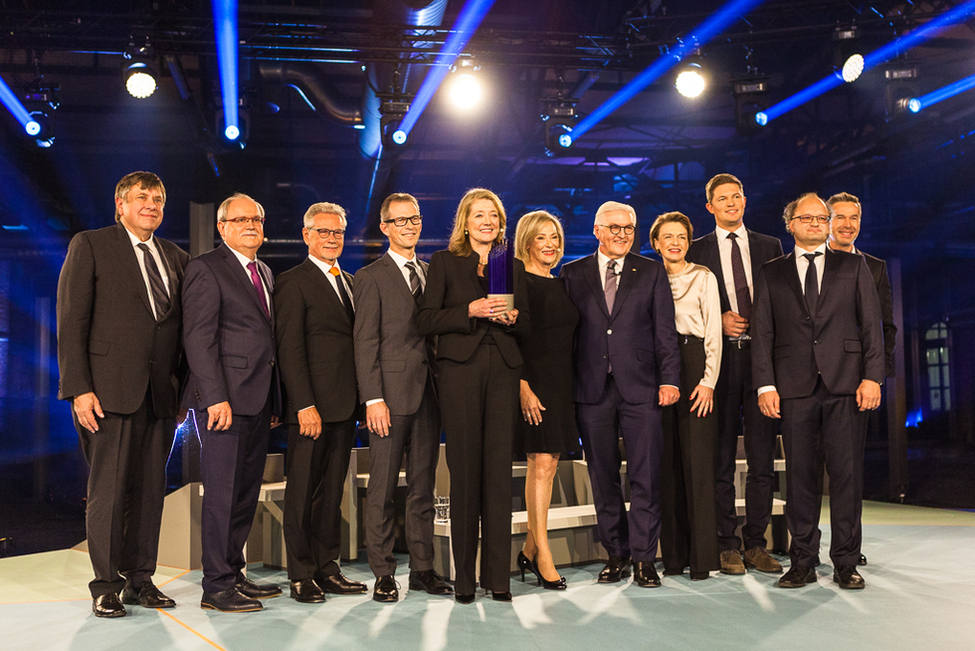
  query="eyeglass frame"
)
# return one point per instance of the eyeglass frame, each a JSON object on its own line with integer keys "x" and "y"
{"x": 416, "y": 220}
{"x": 807, "y": 219}
{"x": 243, "y": 221}
{"x": 615, "y": 229}
{"x": 338, "y": 233}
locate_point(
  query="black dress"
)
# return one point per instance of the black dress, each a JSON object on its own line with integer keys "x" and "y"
{"x": 548, "y": 368}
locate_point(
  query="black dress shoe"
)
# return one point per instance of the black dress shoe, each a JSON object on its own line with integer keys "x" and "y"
{"x": 253, "y": 590}
{"x": 617, "y": 569}
{"x": 385, "y": 589}
{"x": 430, "y": 582}
{"x": 645, "y": 574}
{"x": 147, "y": 596}
{"x": 107, "y": 605}
{"x": 339, "y": 584}
{"x": 797, "y": 577}
{"x": 698, "y": 575}
{"x": 306, "y": 591}
{"x": 464, "y": 598}
{"x": 229, "y": 601}
{"x": 862, "y": 560}
{"x": 501, "y": 596}
{"x": 848, "y": 577}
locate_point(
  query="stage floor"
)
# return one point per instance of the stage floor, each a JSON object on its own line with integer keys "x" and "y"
{"x": 920, "y": 595}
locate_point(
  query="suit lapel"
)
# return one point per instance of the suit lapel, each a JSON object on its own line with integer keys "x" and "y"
{"x": 238, "y": 272}
{"x": 171, "y": 276}
{"x": 832, "y": 262}
{"x": 791, "y": 275}
{"x": 714, "y": 264}
{"x": 591, "y": 272}
{"x": 628, "y": 280}
{"x": 130, "y": 265}
{"x": 396, "y": 279}
{"x": 316, "y": 277}
{"x": 753, "y": 254}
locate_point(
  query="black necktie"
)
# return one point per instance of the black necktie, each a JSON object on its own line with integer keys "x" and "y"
{"x": 741, "y": 283}
{"x": 415, "y": 288}
{"x": 344, "y": 295}
{"x": 812, "y": 283}
{"x": 159, "y": 294}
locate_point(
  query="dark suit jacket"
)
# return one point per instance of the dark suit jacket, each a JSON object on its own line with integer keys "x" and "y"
{"x": 452, "y": 285}
{"x": 315, "y": 344}
{"x": 108, "y": 339}
{"x": 878, "y": 268}
{"x": 639, "y": 338}
{"x": 392, "y": 359}
{"x": 761, "y": 249}
{"x": 229, "y": 341}
{"x": 843, "y": 343}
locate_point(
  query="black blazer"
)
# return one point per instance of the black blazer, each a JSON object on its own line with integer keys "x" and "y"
{"x": 315, "y": 344}
{"x": 761, "y": 249}
{"x": 878, "y": 268}
{"x": 452, "y": 284}
{"x": 108, "y": 339}
{"x": 843, "y": 343}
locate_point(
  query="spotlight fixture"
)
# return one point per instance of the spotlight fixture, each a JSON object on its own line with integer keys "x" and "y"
{"x": 393, "y": 108}
{"x": 690, "y": 80}
{"x": 749, "y": 93}
{"x": 559, "y": 118}
{"x": 848, "y": 61}
{"x": 139, "y": 71}
{"x": 235, "y": 133}
{"x": 465, "y": 90}
{"x": 41, "y": 102}
{"x": 901, "y": 86}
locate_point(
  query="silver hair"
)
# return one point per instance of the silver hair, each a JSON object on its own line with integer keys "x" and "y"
{"x": 225, "y": 206}
{"x": 324, "y": 207}
{"x": 615, "y": 206}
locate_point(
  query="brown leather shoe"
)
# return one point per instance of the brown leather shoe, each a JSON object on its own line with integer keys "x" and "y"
{"x": 758, "y": 558}
{"x": 731, "y": 562}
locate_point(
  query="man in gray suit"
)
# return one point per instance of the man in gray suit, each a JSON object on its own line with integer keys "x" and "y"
{"x": 394, "y": 365}
{"x": 118, "y": 350}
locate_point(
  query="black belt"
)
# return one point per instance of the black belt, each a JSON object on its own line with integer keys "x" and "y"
{"x": 740, "y": 344}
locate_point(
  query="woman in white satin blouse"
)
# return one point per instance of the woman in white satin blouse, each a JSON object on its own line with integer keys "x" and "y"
{"x": 689, "y": 536}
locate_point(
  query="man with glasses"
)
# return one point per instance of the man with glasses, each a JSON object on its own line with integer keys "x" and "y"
{"x": 817, "y": 362}
{"x": 315, "y": 315}
{"x": 627, "y": 367}
{"x": 234, "y": 390}
{"x": 395, "y": 367}
{"x": 735, "y": 254}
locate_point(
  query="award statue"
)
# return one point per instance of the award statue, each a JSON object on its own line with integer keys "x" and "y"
{"x": 500, "y": 274}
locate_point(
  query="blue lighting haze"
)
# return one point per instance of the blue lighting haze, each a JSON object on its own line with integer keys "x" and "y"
{"x": 225, "y": 31}
{"x": 468, "y": 20}
{"x": 926, "y": 31}
{"x": 16, "y": 108}
{"x": 715, "y": 24}
{"x": 941, "y": 94}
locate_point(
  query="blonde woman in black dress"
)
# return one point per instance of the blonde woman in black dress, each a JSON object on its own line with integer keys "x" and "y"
{"x": 549, "y": 427}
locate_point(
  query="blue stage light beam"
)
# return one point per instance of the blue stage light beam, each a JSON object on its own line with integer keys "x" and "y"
{"x": 917, "y": 103}
{"x": 896, "y": 47}
{"x": 18, "y": 110}
{"x": 714, "y": 25}
{"x": 468, "y": 20}
{"x": 225, "y": 31}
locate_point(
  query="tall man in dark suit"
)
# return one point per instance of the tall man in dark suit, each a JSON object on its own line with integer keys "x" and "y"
{"x": 818, "y": 361}
{"x": 394, "y": 365}
{"x": 627, "y": 367}
{"x": 315, "y": 316}
{"x": 234, "y": 391}
{"x": 119, "y": 347}
{"x": 735, "y": 255}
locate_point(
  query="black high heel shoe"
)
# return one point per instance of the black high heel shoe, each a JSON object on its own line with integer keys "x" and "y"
{"x": 545, "y": 583}
{"x": 524, "y": 564}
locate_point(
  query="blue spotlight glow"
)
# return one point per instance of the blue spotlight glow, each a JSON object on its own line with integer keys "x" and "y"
{"x": 225, "y": 31}
{"x": 467, "y": 22}
{"x": 916, "y": 104}
{"x": 761, "y": 118}
{"x": 565, "y": 141}
{"x": 707, "y": 30}
{"x": 232, "y": 132}
{"x": 925, "y": 32}
{"x": 399, "y": 137}
{"x": 18, "y": 110}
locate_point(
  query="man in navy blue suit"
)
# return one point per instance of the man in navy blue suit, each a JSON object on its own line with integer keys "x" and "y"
{"x": 627, "y": 367}
{"x": 233, "y": 388}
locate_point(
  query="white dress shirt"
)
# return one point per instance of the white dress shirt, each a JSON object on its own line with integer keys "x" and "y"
{"x": 401, "y": 263}
{"x": 140, "y": 256}
{"x": 332, "y": 280}
{"x": 724, "y": 252}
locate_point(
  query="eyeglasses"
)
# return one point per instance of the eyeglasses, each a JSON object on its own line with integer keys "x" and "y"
{"x": 400, "y": 222}
{"x": 323, "y": 233}
{"x": 616, "y": 228}
{"x": 807, "y": 219}
{"x": 242, "y": 221}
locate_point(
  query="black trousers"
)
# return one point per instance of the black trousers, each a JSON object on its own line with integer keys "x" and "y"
{"x": 126, "y": 488}
{"x": 317, "y": 469}
{"x": 688, "y": 528}
{"x": 417, "y": 437}
{"x": 232, "y": 468}
{"x": 736, "y": 407}
{"x": 479, "y": 404}
{"x": 830, "y": 427}
{"x": 601, "y": 424}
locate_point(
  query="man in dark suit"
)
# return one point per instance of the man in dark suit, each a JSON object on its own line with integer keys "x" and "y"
{"x": 627, "y": 367}
{"x": 846, "y": 214}
{"x": 315, "y": 316}
{"x": 735, "y": 255}
{"x": 234, "y": 391}
{"x": 119, "y": 347}
{"x": 394, "y": 365}
{"x": 818, "y": 361}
